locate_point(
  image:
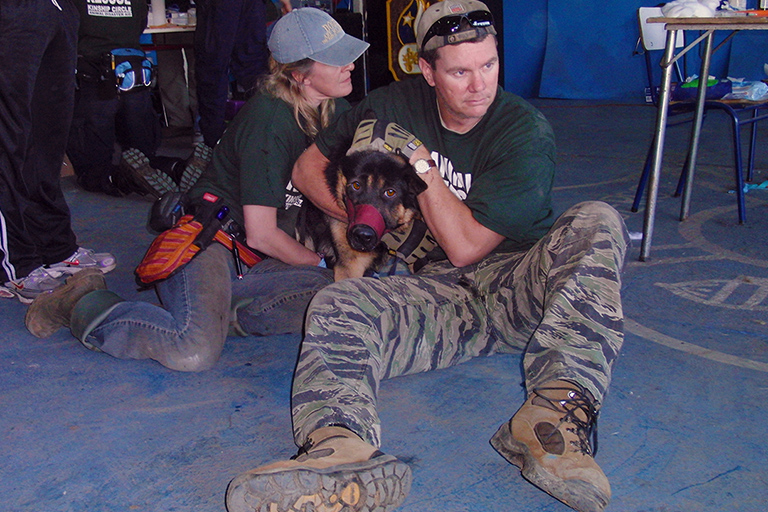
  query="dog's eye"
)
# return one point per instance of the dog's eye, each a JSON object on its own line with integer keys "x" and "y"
{"x": 390, "y": 192}
{"x": 354, "y": 185}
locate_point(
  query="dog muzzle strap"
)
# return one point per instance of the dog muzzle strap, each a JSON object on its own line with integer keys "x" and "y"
{"x": 365, "y": 214}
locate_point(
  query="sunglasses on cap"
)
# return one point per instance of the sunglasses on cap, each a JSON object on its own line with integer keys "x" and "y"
{"x": 451, "y": 24}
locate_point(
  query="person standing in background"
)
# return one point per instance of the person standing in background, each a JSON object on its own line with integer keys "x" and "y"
{"x": 176, "y": 75}
{"x": 38, "y": 49}
{"x": 231, "y": 37}
{"x": 103, "y": 114}
{"x": 176, "y": 81}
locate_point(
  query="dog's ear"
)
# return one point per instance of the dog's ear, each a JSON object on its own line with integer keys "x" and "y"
{"x": 333, "y": 170}
{"x": 340, "y": 150}
{"x": 336, "y": 181}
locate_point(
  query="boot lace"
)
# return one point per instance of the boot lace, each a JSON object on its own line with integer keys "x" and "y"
{"x": 304, "y": 449}
{"x": 310, "y": 444}
{"x": 576, "y": 406}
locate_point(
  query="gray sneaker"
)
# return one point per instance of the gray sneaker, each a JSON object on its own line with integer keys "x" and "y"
{"x": 40, "y": 280}
{"x": 50, "y": 277}
{"x": 85, "y": 258}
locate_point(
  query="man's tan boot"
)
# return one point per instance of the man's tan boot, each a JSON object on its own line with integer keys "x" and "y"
{"x": 334, "y": 471}
{"x": 549, "y": 440}
{"x": 53, "y": 309}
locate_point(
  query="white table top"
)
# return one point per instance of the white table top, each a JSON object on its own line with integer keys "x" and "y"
{"x": 163, "y": 29}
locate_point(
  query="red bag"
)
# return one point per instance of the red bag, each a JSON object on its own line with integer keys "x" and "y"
{"x": 175, "y": 247}
{"x": 170, "y": 251}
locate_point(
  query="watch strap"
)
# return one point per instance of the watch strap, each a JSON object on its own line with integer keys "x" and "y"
{"x": 430, "y": 163}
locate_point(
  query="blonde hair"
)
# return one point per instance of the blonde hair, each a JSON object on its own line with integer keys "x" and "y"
{"x": 281, "y": 83}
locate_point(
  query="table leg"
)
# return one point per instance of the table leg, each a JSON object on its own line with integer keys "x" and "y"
{"x": 658, "y": 145}
{"x": 698, "y": 118}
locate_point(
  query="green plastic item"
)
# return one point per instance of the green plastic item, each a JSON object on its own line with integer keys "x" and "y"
{"x": 695, "y": 82}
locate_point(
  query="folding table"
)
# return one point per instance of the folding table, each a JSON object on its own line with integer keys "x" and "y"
{"x": 708, "y": 26}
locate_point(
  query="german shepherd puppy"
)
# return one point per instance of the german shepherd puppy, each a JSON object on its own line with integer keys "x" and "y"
{"x": 378, "y": 191}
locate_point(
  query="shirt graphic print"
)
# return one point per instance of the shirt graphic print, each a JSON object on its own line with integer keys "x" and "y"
{"x": 110, "y": 8}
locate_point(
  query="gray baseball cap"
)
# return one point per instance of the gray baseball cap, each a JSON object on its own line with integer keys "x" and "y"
{"x": 310, "y": 33}
{"x": 452, "y": 22}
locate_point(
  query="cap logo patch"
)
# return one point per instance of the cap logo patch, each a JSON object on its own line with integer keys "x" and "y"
{"x": 332, "y": 29}
{"x": 456, "y": 8}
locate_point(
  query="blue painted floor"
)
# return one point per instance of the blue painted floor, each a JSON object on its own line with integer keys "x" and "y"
{"x": 683, "y": 427}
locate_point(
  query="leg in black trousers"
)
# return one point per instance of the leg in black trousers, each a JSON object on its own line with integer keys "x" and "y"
{"x": 38, "y": 41}
{"x": 230, "y": 36}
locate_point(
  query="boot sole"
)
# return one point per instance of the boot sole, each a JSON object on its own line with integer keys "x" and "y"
{"x": 377, "y": 485}
{"x": 151, "y": 181}
{"x": 197, "y": 163}
{"x": 577, "y": 494}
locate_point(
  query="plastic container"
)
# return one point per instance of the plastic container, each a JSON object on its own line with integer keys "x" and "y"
{"x": 716, "y": 89}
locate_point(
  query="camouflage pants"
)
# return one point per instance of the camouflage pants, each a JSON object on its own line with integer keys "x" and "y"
{"x": 559, "y": 303}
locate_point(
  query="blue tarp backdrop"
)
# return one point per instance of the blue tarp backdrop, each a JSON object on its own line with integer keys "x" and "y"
{"x": 585, "y": 50}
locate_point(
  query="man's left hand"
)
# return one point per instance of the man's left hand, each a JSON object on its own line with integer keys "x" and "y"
{"x": 379, "y": 134}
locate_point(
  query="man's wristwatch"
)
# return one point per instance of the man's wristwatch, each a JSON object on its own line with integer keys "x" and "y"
{"x": 422, "y": 166}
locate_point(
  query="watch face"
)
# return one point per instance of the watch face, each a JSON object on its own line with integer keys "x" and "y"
{"x": 421, "y": 166}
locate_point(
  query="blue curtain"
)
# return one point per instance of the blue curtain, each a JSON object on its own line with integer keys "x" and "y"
{"x": 525, "y": 41}
{"x": 580, "y": 50}
{"x": 749, "y": 55}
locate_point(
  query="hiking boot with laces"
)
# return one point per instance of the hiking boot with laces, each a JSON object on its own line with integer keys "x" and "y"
{"x": 52, "y": 309}
{"x": 145, "y": 178}
{"x": 38, "y": 281}
{"x": 86, "y": 258}
{"x": 553, "y": 439}
{"x": 195, "y": 166}
{"x": 335, "y": 470}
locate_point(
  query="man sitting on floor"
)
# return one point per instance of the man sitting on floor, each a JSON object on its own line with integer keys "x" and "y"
{"x": 513, "y": 277}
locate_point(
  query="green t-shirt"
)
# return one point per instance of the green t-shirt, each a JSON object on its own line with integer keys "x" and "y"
{"x": 502, "y": 169}
{"x": 252, "y": 162}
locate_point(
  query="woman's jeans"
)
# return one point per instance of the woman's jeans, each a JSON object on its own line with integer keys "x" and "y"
{"x": 187, "y": 333}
